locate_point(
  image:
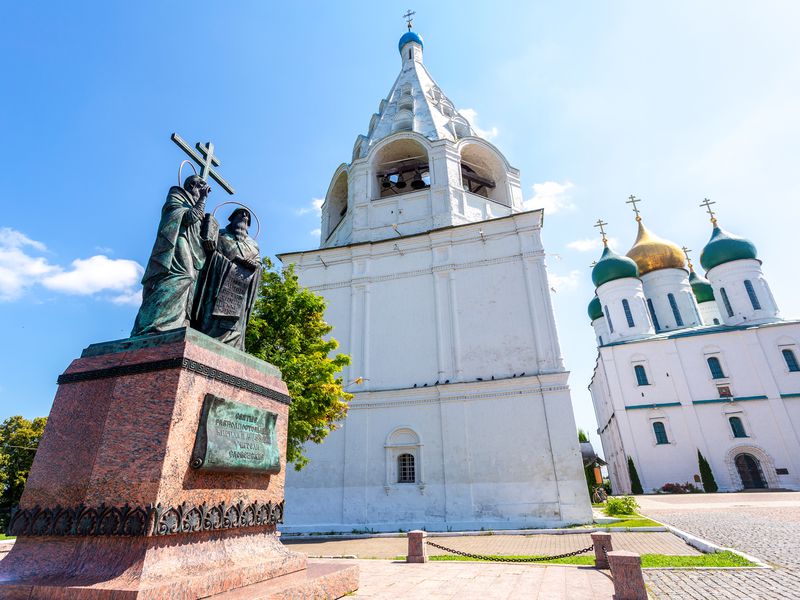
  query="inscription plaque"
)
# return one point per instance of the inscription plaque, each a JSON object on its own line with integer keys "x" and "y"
{"x": 233, "y": 436}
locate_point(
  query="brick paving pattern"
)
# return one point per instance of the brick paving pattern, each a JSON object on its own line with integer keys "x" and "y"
{"x": 500, "y": 545}
{"x": 766, "y": 526}
{"x": 385, "y": 580}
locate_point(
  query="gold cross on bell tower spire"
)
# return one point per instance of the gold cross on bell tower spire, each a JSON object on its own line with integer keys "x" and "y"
{"x": 600, "y": 224}
{"x": 632, "y": 200}
{"x": 707, "y": 203}
{"x": 409, "y": 17}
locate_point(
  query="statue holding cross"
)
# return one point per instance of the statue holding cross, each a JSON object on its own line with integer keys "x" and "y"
{"x": 170, "y": 279}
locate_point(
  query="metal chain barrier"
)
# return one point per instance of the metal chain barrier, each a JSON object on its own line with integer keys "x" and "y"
{"x": 509, "y": 559}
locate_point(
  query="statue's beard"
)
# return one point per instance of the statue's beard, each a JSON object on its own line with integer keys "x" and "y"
{"x": 240, "y": 232}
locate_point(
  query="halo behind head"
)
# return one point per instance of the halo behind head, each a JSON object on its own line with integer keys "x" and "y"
{"x": 244, "y": 211}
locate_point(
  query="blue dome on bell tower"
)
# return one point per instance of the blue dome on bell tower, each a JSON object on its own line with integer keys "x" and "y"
{"x": 409, "y": 36}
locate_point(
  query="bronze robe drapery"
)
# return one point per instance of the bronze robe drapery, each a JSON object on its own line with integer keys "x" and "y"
{"x": 170, "y": 279}
{"x": 228, "y": 289}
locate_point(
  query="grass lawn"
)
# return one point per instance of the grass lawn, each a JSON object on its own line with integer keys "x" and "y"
{"x": 720, "y": 559}
{"x": 6, "y": 537}
{"x": 633, "y": 521}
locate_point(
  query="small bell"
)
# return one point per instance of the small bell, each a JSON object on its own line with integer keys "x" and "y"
{"x": 386, "y": 183}
{"x": 417, "y": 183}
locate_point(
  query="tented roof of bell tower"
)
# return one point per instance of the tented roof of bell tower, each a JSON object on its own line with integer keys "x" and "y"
{"x": 415, "y": 103}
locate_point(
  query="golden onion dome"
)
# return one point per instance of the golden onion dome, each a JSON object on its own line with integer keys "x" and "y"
{"x": 651, "y": 252}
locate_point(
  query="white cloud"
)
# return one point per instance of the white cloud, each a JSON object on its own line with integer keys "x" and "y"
{"x": 315, "y": 232}
{"x": 563, "y": 283}
{"x": 471, "y": 115}
{"x": 21, "y": 269}
{"x": 96, "y": 274}
{"x": 552, "y": 196}
{"x": 315, "y": 206}
{"x": 589, "y": 244}
{"x": 129, "y": 298}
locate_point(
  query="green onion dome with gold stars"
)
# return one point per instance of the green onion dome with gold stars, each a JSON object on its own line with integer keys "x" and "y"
{"x": 612, "y": 266}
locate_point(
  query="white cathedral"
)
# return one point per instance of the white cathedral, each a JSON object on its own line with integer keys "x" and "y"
{"x": 688, "y": 364}
{"x": 435, "y": 280}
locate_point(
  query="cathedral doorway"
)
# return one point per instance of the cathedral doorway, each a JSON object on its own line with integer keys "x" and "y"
{"x": 750, "y": 471}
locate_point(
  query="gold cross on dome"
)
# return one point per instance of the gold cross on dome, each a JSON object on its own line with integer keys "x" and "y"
{"x": 686, "y": 254}
{"x": 600, "y": 224}
{"x": 707, "y": 203}
{"x": 632, "y": 200}
{"x": 409, "y": 17}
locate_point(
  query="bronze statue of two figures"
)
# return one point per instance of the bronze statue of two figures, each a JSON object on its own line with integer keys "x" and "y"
{"x": 199, "y": 275}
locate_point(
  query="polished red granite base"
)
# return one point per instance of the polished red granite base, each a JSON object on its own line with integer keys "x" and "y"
{"x": 121, "y": 432}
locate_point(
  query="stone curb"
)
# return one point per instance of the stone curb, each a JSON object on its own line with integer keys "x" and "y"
{"x": 711, "y": 548}
{"x": 360, "y": 536}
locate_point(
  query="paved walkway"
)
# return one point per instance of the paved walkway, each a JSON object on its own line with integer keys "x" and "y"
{"x": 387, "y": 580}
{"x": 766, "y": 525}
{"x": 502, "y": 545}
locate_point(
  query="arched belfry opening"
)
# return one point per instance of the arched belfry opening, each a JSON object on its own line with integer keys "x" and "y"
{"x": 483, "y": 173}
{"x": 336, "y": 201}
{"x": 401, "y": 167}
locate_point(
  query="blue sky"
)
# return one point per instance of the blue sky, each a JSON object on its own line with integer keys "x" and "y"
{"x": 591, "y": 101}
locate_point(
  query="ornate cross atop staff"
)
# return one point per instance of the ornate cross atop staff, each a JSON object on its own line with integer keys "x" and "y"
{"x": 409, "y": 17}
{"x": 205, "y": 159}
{"x": 686, "y": 254}
{"x": 707, "y": 203}
{"x": 600, "y": 224}
{"x": 632, "y": 200}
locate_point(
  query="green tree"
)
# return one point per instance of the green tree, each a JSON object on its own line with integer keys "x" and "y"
{"x": 288, "y": 329}
{"x": 636, "y": 485}
{"x": 19, "y": 439}
{"x": 706, "y": 475}
{"x": 582, "y": 436}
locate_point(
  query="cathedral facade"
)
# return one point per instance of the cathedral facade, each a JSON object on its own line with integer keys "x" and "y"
{"x": 690, "y": 365}
{"x": 435, "y": 280}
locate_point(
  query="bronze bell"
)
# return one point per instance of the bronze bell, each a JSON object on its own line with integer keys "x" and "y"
{"x": 400, "y": 182}
{"x": 417, "y": 183}
{"x": 386, "y": 183}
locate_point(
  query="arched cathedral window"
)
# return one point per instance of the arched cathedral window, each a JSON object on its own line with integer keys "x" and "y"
{"x": 653, "y": 315}
{"x": 715, "y": 367}
{"x": 660, "y": 432}
{"x": 675, "y": 312}
{"x": 641, "y": 375}
{"x": 751, "y": 293}
{"x": 628, "y": 315}
{"x": 726, "y": 302}
{"x": 737, "y": 427}
{"x": 791, "y": 360}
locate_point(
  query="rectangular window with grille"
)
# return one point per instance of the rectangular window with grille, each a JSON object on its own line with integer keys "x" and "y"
{"x": 726, "y": 302}
{"x": 405, "y": 469}
{"x": 653, "y": 315}
{"x": 675, "y": 312}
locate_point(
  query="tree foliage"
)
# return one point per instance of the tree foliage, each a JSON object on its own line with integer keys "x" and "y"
{"x": 288, "y": 329}
{"x": 582, "y": 436}
{"x": 19, "y": 439}
{"x": 636, "y": 485}
{"x": 706, "y": 475}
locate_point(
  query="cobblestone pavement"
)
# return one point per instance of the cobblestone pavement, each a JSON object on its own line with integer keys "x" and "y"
{"x": 765, "y": 525}
{"x": 508, "y": 545}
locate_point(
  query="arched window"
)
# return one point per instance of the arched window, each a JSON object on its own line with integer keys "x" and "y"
{"x": 401, "y": 166}
{"x": 661, "y": 433}
{"x": 628, "y": 316}
{"x": 716, "y": 321}
{"x": 791, "y": 360}
{"x": 405, "y": 469}
{"x": 608, "y": 318}
{"x": 737, "y": 427}
{"x": 726, "y": 302}
{"x": 674, "y": 306}
{"x": 751, "y": 293}
{"x": 653, "y": 315}
{"x": 715, "y": 367}
{"x": 641, "y": 375}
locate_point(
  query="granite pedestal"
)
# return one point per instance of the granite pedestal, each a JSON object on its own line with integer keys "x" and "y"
{"x": 112, "y": 508}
